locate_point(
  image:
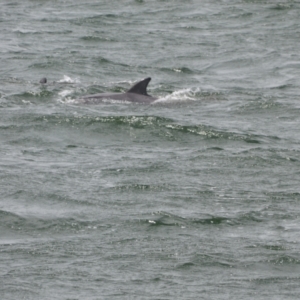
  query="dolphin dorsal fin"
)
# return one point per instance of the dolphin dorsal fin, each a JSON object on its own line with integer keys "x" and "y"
{"x": 140, "y": 87}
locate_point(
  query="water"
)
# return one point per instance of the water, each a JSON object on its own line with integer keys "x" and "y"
{"x": 194, "y": 196}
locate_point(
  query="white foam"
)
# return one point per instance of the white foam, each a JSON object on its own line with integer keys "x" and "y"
{"x": 68, "y": 100}
{"x": 180, "y": 95}
{"x": 63, "y": 97}
{"x": 26, "y": 102}
{"x": 65, "y": 93}
{"x": 68, "y": 79}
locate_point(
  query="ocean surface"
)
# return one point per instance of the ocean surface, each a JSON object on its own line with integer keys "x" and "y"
{"x": 195, "y": 196}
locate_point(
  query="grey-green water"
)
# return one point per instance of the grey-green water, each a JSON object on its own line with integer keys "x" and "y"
{"x": 193, "y": 197}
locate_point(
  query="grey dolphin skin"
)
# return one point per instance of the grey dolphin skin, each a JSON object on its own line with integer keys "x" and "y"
{"x": 137, "y": 93}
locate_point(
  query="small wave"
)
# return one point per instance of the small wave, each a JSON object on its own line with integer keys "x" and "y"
{"x": 283, "y": 260}
{"x": 9, "y": 218}
{"x": 167, "y": 219}
{"x": 29, "y": 97}
{"x": 184, "y": 70}
{"x": 31, "y": 224}
{"x": 161, "y": 218}
{"x": 79, "y": 120}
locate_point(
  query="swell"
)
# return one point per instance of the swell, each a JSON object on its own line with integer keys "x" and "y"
{"x": 32, "y": 125}
{"x": 236, "y": 219}
{"x": 31, "y": 225}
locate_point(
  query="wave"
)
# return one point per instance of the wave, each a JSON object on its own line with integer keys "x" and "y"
{"x": 163, "y": 218}
{"x": 30, "y": 225}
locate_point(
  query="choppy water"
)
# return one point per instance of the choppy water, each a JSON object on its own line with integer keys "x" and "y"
{"x": 193, "y": 197}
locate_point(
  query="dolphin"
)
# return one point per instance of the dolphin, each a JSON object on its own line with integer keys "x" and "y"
{"x": 137, "y": 93}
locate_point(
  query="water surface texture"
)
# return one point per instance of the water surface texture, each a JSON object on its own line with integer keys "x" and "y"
{"x": 195, "y": 196}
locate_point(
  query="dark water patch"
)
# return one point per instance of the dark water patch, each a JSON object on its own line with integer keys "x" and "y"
{"x": 252, "y": 141}
{"x": 99, "y": 19}
{"x": 216, "y": 149}
{"x": 189, "y": 28}
{"x": 34, "y": 152}
{"x": 219, "y": 260}
{"x": 185, "y": 266}
{"x": 102, "y": 61}
{"x": 97, "y": 39}
{"x": 284, "y": 196}
{"x": 214, "y": 221}
{"x": 274, "y": 247}
{"x": 51, "y": 63}
{"x": 141, "y": 187}
{"x": 282, "y": 6}
{"x": 58, "y": 32}
{"x": 279, "y": 280}
{"x": 138, "y": 187}
{"x": 282, "y": 87}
